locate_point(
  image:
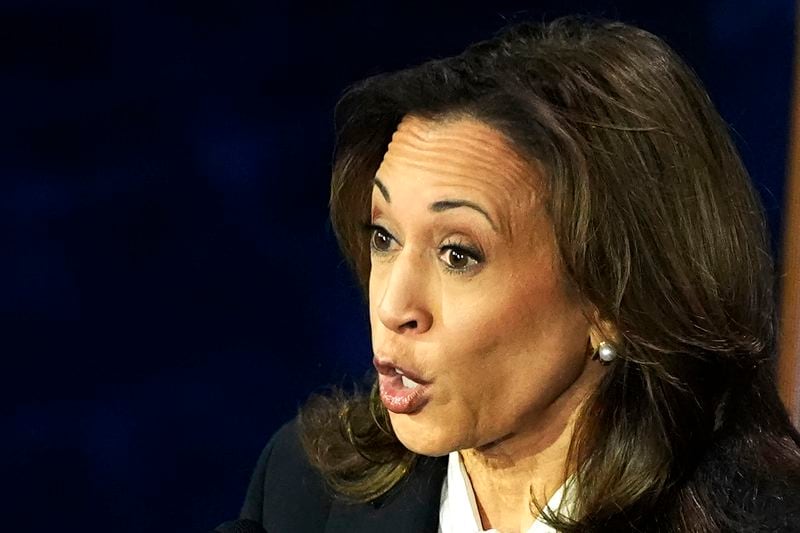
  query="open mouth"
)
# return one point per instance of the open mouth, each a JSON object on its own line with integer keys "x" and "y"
{"x": 407, "y": 381}
{"x": 399, "y": 392}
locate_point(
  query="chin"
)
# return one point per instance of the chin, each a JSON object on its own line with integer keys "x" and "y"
{"x": 422, "y": 437}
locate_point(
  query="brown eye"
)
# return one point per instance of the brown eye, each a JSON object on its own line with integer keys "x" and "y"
{"x": 381, "y": 241}
{"x": 457, "y": 259}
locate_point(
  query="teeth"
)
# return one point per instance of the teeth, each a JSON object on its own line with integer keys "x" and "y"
{"x": 399, "y": 371}
{"x": 409, "y": 383}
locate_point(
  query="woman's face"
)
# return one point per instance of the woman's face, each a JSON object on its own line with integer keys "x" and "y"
{"x": 465, "y": 291}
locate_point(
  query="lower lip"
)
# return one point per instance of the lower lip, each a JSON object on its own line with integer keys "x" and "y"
{"x": 398, "y": 398}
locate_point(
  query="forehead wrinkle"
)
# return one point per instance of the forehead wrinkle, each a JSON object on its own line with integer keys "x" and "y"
{"x": 503, "y": 184}
{"x": 458, "y": 156}
{"x": 478, "y": 171}
{"x": 490, "y": 145}
{"x": 489, "y": 141}
{"x": 481, "y": 191}
{"x": 436, "y": 139}
{"x": 476, "y": 182}
{"x": 475, "y": 155}
{"x": 455, "y": 156}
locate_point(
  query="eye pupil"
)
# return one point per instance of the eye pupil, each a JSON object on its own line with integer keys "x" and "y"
{"x": 457, "y": 259}
{"x": 380, "y": 240}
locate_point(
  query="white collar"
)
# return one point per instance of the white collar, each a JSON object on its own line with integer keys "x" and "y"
{"x": 458, "y": 511}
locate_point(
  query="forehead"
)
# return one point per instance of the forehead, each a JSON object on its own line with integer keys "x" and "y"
{"x": 461, "y": 156}
{"x": 457, "y": 147}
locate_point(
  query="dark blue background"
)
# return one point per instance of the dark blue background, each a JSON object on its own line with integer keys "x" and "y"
{"x": 171, "y": 289}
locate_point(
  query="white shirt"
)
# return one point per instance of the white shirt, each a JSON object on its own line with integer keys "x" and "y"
{"x": 458, "y": 512}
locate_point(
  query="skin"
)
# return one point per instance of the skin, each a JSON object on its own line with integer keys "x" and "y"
{"x": 504, "y": 341}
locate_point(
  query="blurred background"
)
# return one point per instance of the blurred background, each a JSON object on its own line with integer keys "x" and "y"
{"x": 170, "y": 287}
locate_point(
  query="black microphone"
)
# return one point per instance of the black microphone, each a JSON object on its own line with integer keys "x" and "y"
{"x": 240, "y": 526}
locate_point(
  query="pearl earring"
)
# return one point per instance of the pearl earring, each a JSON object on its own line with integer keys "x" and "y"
{"x": 605, "y": 352}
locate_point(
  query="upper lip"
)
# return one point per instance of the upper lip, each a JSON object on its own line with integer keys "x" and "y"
{"x": 387, "y": 367}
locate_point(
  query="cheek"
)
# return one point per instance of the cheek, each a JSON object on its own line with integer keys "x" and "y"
{"x": 507, "y": 316}
{"x": 534, "y": 337}
{"x": 514, "y": 349}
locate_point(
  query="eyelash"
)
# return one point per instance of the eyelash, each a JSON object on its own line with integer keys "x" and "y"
{"x": 458, "y": 246}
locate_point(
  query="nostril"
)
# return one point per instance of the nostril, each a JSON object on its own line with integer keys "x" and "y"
{"x": 411, "y": 324}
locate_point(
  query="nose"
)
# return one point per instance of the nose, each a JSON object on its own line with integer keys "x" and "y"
{"x": 403, "y": 306}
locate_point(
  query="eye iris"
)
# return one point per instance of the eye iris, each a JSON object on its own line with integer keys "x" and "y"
{"x": 380, "y": 241}
{"x": 458, "y": 259}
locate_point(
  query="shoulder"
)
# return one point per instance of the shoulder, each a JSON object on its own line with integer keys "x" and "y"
{"x": 286, "y": 493}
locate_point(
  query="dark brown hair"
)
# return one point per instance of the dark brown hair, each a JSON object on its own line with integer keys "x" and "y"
{"x": 658, "y": 228}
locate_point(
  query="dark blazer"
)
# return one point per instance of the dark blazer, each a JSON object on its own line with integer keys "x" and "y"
{"x": 286, "y": 495}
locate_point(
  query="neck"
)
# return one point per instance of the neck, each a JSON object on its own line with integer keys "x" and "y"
{"x": 532, "y": 462}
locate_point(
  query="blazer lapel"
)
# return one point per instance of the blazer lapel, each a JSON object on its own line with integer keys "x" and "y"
{"x": 412, "y": 505}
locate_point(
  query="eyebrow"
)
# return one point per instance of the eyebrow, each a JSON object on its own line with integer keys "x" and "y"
{"x": 381, "y": 187}
{"x": 440, "y": 205}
